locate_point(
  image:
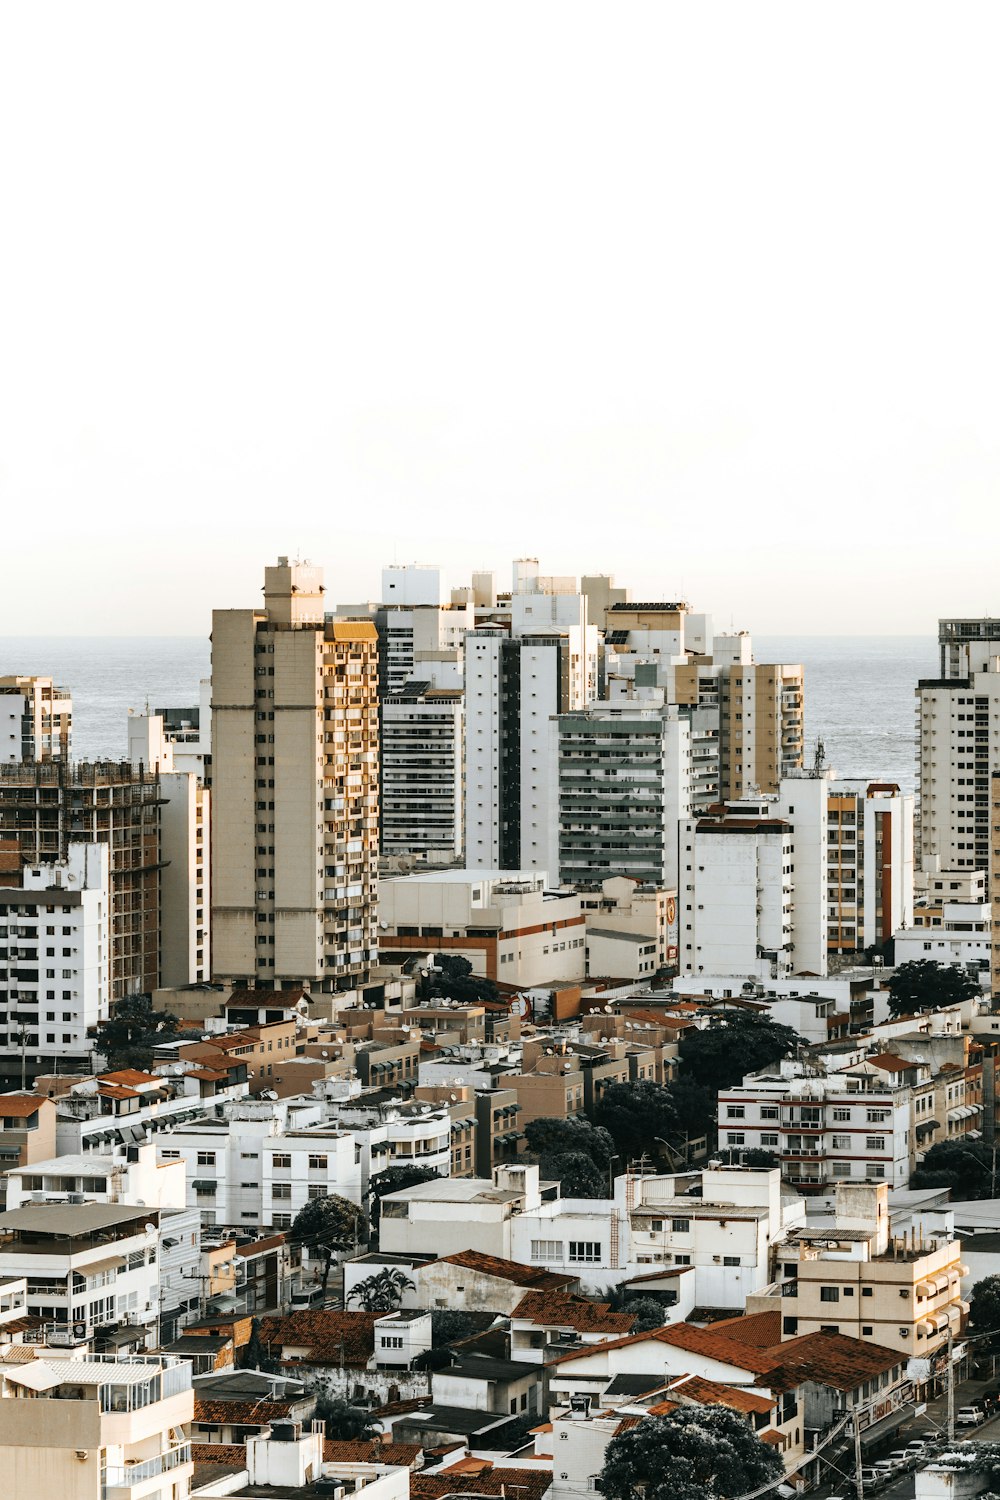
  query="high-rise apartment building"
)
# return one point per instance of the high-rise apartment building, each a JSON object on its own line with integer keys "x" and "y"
{"x": 958, "y": 748}
{"x": 46, "y": 809}
{"x": 736, "y": 893}
{"x": 966, "y": 645}
{"x": 36, "y": 719}
{"x": 760, "y": 726}
{"x": 515, "y": 683}
{"x": 55, "y": 948}
{"x": 185, "y": 875}
{"x": 294, "y": 789}
{"x": 995, "y": 882}
{"x": 869, "y": 863}
{"x": 624, "y": 779}
{"x": 422, "y": 782}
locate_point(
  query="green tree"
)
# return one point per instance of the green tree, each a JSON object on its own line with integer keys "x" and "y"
{"x": 753, "y": 1156}
{"x": 449, "y": 1325}
{"x": 382, "y": 1292}
{"x": 452, "y": 979}
{"x": 326, "y": 1226}
{"x": 695, "y": 1453}
{"x": 736, "y": 1043}
{"x": 133, "y": 1029}
{"x": 555, "y": 1137}
{"x": 924, "y": 984}
{"x": 964, "y": 1166}
{"x": 695, "y": 1107}
{"x": 984, "y": 1305}
{"x": 635, "y": 1114}
{"x": 576, "y": 1174}
{"x": 394, "y": 1180}
{"x": 345, "y": 1423}
{"x": 648, "y": 1313}
{"x": 254, "y": 1355}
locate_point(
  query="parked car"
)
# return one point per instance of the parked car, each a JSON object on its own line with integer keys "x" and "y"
{"x": 885, "y": 1469}
{"x": 871, "y": 1479}
{"x": 917, "y": 1449}
{"x": 901, "y": 1458}
{"x": 969, "y": 1416}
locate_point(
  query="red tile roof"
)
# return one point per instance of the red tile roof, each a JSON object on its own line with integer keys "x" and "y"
{"x": 249, "y": 1413}
{"x": 571, "y": 1311}
{"x": 526, "y": 1484}
{"x": 762, "y": 1330}
{"x": 128, "y": 1076}
{"x": 372, "y": 1452}
{"x": 835, "y": 1359}
{"x": 328, "y": 1337}
{"x": 509, "y": 1270}
{"x": 714, "y": 1393}
{"x": 18, "y": 1106}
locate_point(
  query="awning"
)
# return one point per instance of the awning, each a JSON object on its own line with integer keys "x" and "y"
{"x": 38, "y": 1376}
{"x": 941, "y": 1283}
{"x": 925, "y": 1289}
{"x": 926, "y": 1327}
{"x": 110, "y": 1263}
{"x": 963, "y": 1270}
{"x": 202, "y": 1185}
{"x": 879, "y": 1430}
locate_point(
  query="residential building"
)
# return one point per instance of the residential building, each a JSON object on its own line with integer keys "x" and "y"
{"x": 761, "y": 732}
{"x": 295, "y": 789}
{"x": 967, "y": 645}
{"x": 958, "y": 748}
{"x": 36, "y": 720}
{"x": 624, "y": 784}
{"x": 467, "y": 1213}
{"x": 422, "y": 782}
{"x": 626, "y": 907}
{"x": 478, "y": 1282}
{"x": 88, "y": 1265}
{"x": 736, "y": 893}
{"x": 46, "y": 808}
{"x": 185, "y": 879}
{"x": 90, "y": 1429}
{"x": 857, "y": 1124}
{"x": 508, "y": 924}
{"x": 962, "y": 936}
{"x": 856, "y": 1278}
{"x": 27, "y": 1131}
{"x": 994, "y": 869}
{"x": 256, "y": 1167}
{"x": 189, "y": 732}
{"x": 869, "y": 864}
{"x": 55, "y": 958}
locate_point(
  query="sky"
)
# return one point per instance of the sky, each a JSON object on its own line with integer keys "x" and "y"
{"x": 703, "y": 296}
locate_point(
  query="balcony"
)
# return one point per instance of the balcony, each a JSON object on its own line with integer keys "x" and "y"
{"x": 122, "y": 1480}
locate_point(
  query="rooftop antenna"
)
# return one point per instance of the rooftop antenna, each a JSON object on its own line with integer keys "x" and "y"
{"x": 820, "y": 761}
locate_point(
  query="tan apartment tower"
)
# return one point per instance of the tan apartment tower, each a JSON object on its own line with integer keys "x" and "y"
{"x": 36, "y": 719}
{"x": 294, "y": 790}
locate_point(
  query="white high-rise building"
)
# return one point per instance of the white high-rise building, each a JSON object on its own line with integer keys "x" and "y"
{"x": 736, "y": 893}
{"x": 54, "y": 969}
{"x": 36, "y": 719}
{"x": 185, "y": 877}
{"x": 958, "y": 747}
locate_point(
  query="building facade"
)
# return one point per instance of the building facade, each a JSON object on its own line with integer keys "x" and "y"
{"x": 36, "y": 720}
{"x": 295, "y": 789}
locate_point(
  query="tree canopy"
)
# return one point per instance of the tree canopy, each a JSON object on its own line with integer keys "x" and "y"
{"x": 648, "y": 1313}
{"x": 452, "y": 979}
{"x": 382, "y": 1292}
{"x": 635, "y": 1114}
{"x": 345, "y": 1423}
{"x": 964, "y": 1166}
{"x": 695, "y": 1453}
{"x": 984, "y": 1305}
{"x": 393, "y": 1180}
{"x": 133, "y": 1029}
{"x": 325, "y": 1226}
{"x": 574, "y": 1153}
{"x": 924, "y": 984}
{"x": 739, "y": 1042}
{"x": 576, "y": 1174}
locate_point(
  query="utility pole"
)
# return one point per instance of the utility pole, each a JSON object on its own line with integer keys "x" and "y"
{"x": 859, "y": 1488}
{"x": 951, "y": 1386}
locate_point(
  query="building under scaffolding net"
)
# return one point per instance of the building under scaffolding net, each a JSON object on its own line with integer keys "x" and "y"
{"x": 46, "y": 807}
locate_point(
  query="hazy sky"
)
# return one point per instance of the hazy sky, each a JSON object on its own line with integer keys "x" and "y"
{"x": 703, "y": 295}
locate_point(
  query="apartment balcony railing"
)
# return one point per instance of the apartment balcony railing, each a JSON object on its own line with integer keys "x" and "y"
{"x": 128, "y": 1476}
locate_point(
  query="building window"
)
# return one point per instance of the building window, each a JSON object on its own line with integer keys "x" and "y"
{"x": 875, "y": 1143}
{"x": 281, "y": 1159}
{"x": 281, "y": 1190}
{"x": 584, "y": 1252}
{"x": 829, "y": 1294}
{"x": 736, "y": 1112}
{"x": 546, "y": 1250}
{"x": 391, "y": 1342}
{"x": 680, "y": 1226}
{"x": 317, "y": 1163}
{"x": 206, "y": 1158}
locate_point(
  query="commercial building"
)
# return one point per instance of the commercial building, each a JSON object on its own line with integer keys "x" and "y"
{"x": 295, "y": 789}
{"x": 55, "y": 953}
{"x": 624, "y": 776}
{"x": 46, "y": 808}
{"x": 36, "y": 720}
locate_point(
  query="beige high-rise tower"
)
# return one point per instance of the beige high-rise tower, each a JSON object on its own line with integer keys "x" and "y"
{"x": 294, "y": 790}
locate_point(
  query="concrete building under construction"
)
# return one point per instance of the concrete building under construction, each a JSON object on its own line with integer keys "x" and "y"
{"x": 46, "y": 808}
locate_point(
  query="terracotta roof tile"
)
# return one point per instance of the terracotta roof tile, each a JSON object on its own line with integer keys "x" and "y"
{"x": 230, "y": 1454}
{"x": 17, "y": 1106}
{"x": 531, "y": 1484}
{"x": 371, "y": 1452}
{"x": 509, "y": 1270}
{"x": 762, "y": 1330}
{"x": 245, "y": 1412}
{"x": 835, "y": 1359}
{"x": 327, "y": 1336}
{"x": 569, "y": 1310}
{"x": 714, "y": 1393}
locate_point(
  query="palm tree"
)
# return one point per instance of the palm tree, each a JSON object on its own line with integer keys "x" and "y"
{"x": 383, "y": 1291}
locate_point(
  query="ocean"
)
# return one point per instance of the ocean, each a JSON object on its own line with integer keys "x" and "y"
{"x": 859, "y": 689}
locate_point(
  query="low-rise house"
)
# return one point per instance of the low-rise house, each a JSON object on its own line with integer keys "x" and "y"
{"x": 27, "y": 1131}
{"x": 544, "y": 1322}
{"x": 467, "y": 1213}
{"x": 479, "y": 1382}
{"x": 474, "y": 1282}
{"x": 233, "y": 1405}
